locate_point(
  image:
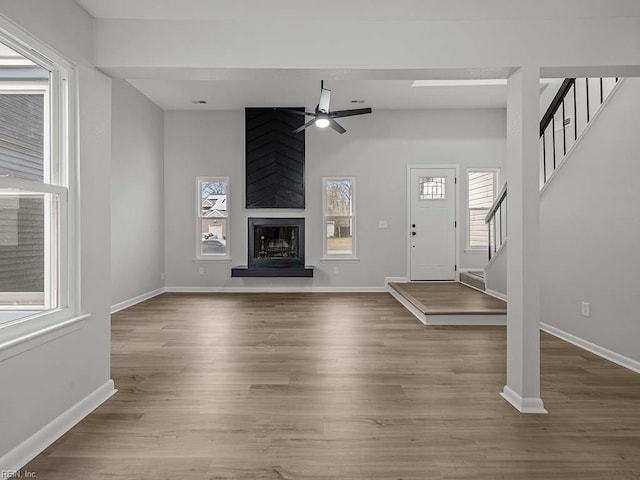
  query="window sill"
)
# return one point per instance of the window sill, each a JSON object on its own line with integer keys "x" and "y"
{"x": 17, "y": 339}
{"x": 222, "y": 258}
{"x": 476, "y": 251}
{"x": 340, "y": 259}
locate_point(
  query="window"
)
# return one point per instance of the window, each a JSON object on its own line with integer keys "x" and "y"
{"x": 338, "y": 200}
{"x": 433, "y": 188}
{"x": 212, "y": 203}
{"x": 36, "y": 179}
{"x": 481, "y": 194}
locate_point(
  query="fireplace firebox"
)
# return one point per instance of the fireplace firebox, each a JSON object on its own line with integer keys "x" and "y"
{"x": 275, "y": 249}
{"x": 276, "y": 242}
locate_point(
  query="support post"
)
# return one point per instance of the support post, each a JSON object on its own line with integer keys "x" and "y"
{"x": 523, "y": 224}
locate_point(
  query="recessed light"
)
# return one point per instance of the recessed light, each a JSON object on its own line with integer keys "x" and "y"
{"x": 199, "y": 102}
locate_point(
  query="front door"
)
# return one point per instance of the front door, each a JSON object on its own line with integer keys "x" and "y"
{"x": 432, "y": 223}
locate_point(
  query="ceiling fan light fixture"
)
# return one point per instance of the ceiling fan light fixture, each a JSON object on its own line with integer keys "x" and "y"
{"x": 322, "y": 122}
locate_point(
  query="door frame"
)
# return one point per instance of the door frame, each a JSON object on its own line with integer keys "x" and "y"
{"x": 457, "y": 200}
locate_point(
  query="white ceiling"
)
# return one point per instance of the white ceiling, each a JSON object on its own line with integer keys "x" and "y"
{"x": 379, "y": 94}
{"x": 341, "y": 10}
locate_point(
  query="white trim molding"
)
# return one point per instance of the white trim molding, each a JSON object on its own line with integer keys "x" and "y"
{"x": 605, "y": 353}
{"x": 135, "y": 300}
{"x": 388, "y": 280}
{"x": 34, "y": 338}
{"x": 523, "y": 405}
{"x": 498, "y": 295}
{"x": 17, "y": 458}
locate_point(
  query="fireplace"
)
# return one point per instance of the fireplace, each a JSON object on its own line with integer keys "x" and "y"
{"x": 276, "y": 242}
{"x": 275, "y": 249}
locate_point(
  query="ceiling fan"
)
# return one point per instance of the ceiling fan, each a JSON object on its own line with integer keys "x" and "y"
{"x": 324, "y": 117}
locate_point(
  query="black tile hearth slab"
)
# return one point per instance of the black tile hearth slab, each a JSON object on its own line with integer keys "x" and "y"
{"x": 243, "y": 271}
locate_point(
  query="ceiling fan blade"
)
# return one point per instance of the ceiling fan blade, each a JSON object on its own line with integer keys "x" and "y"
{"x": 350, "y": 113}
{"x": 305, "y": 126}
{"x": 296, "y": 112}
{"x": 336, "y": 126}
{"x": 325, "y": 100}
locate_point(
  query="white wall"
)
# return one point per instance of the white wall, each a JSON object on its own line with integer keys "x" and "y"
{"x": 590, "y": 227}
{"x": 376, "y": 149}
{"x": 137, "y": 197}
{"x": 495, "y": 273}
{"x": 40, "y": 384}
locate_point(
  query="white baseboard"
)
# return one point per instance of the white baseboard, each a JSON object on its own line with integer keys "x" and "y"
{"x": 523, "y": 405}
{"x": 498, "y": 295}
{"x": 135, "y": 300}
{"x": 605, "y": 353}
{"x": 275, "y": 289}
{"x": 43, "y": 438}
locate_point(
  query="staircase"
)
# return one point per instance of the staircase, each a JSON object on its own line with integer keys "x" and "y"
{"x": 473, "y": 278}
{"x": 572, "y": 109}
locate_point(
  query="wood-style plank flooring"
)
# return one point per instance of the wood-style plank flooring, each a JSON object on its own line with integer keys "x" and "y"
{"x": 445, "y": 298}
{"x": 328, "y": 386}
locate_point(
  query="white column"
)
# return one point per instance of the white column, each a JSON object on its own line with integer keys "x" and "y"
{"x": 523, "y": 224}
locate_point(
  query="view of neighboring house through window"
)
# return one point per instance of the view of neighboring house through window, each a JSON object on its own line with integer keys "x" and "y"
{"x": 213, "y": 217}
{"x": 481, "y": 194}
{"x": 339, "y": 216}
{"x": 33, "y": 190}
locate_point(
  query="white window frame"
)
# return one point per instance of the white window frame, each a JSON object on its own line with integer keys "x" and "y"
{"x": 496, "y": 171}
{"x": 326, "y": 256}
{"x": 61, "y": 173}
{"x": 212, "y": 257}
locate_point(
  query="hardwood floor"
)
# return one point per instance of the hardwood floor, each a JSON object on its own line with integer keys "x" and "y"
{"x": 438, "y": 298}
{"x": 327, "y": 386}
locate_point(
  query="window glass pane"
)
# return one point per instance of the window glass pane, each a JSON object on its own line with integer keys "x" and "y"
{"x": 339, "y": 236}
{"x": 339, "y": 197}
{"x": 478, "y": 230}
{"x": 213, "y": 240}
{"x": 28, "y": 252}
{"x": 213, "y": 196}
{"x": 481, "y": 189}
{"x": 481, "y": 194}
{"x": 433, "y": 188}
{"x": 23, "y": 110}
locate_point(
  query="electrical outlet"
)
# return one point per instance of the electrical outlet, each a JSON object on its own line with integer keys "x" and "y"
{"x": 336, "y": 270}
{"x": 201, "y": 270}
{"x": 586, "y": 309}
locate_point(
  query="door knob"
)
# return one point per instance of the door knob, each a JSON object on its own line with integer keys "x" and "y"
{"x": 413, "y": 226}
{"x": 413, "y": 233}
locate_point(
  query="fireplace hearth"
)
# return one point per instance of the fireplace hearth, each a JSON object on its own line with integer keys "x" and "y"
{"x": 275, "y": 249}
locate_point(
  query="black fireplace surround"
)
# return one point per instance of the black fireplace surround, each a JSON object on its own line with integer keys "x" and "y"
{"x": 276, "y": 242}
{"x": 275, "y": 249}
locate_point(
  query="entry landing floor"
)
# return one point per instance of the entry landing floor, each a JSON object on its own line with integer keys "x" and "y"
{"x": 438, "y": 303}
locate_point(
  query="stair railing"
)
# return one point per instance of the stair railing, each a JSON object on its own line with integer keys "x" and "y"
{"x": 575, "y": 104}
